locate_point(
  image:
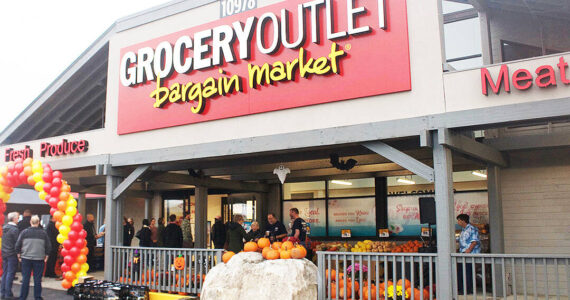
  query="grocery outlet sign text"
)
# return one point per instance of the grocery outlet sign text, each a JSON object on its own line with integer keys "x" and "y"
{"x": 291, "y": 54}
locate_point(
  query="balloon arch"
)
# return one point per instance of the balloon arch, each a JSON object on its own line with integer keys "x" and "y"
{"x": 56, "y": 192}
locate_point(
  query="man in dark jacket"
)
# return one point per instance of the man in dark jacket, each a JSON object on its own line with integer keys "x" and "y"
{"x": 172, "y": 237}
{"x": 218, "y": 233}
{"x": 144, "y": 235}
{"x": 91, "y": 239}
{"x": 33, "y": 247}
{"x": 236, "y": 234}
{"x": 128, "y": 232}
{"x": 52, "y": 233}
{"x": 25, "y": 222}
{"x": 10, "y": 234}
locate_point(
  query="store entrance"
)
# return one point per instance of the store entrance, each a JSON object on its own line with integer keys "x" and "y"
{"x": 243, "y": 204}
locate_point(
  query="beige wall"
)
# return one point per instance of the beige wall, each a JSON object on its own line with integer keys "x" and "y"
{"x": 536, "y": 202}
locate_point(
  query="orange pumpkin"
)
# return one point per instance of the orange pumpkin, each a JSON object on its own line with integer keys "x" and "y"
{"x": 288, "y": 245}
{"x": 372, "y": 295}
{"x": 407, "y": 283}
{"x": 227, "y": 256}
{"x": 332, "y": 274}
{"x": 298, "y": 252}
{"x": 264, "y": 252}
{"x": 276, "y": 245}
{"x": 273, "y": 254}
{"x": 285, "y": 254}
{"x": 263, "y": 242}
{"x": 383, "y": 285}
{"x": 415, "y": 294}
{"x": 250, "y": 247}
{"x": 179, "y": 263}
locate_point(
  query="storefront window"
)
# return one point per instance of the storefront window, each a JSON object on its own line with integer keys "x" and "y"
{"x": 351, "y": 188}
{"x": 173, "y": 206}
{"x": 356, "y": 214}
{"x": 304, "y": 190}
{"x": 313, "y": 212}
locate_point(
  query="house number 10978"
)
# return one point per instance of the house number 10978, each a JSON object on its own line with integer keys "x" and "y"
{"x": 232, "y": 7}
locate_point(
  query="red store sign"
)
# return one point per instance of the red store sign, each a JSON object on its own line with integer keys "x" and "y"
{"x": 292, "y": 54}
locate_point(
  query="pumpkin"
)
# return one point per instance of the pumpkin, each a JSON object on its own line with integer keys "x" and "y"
{"x": 372, "y": 295}
{"x": 179, "y": 263}
{"x": 277, "y": 245}
{"x": 285, "y": 254}
{"x": 227, "y": 256}
{"x": 298, "y": 252}
{"x": 263, "y": 242}
{"x": 287, "y": 245}
{"x": 273, "y": 254}
{"x": 333, "y": 290}
{"x": 415, "y": 295}
{"x": 383, "y": 285}
{"x": 407, "y": 283}
{"x": 250, "y": 247}
{"x": 264, "y": 252}
{"x": 332, "y": 274}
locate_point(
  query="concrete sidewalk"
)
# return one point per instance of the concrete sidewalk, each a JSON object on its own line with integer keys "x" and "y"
{"x": 51, "y": 287}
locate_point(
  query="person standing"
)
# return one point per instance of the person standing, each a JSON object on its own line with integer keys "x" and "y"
{"x": 101, "y": 236}
{"x": 299, "y": 228}
{"x": 275, "y": 230}
{"x": 172, "y": 237}
{"x": 188, "y": 240}
{"x": 10, "y": 235}
{"x": 255, "y": 232}
{"x": 469, "y": 242}
{"x": 160, "y": 233}
{"x": 128, "y": 232}
{"x": 33, "y": 247}
{"x": 153, "y": 233}
{"x": 236, "y": 234}
{"x": 52, "y": 233}
{"x": 144, "y": 235}
{"x": 25, "y": 222}
{"x": 218, "y": 233}
{"x": 89, "y": 226}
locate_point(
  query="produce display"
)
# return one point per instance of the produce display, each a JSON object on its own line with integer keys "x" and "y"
{"x": 369, "y": 246}
{"x": 277, "y": 250}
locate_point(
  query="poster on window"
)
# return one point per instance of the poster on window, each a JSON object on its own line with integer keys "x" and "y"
{"x": 313, "y": 212}
{"x": 358, "y": 215}
{"x": 404, "y": 211}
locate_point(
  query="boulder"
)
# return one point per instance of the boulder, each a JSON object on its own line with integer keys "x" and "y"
{"x": 248, "y": 276}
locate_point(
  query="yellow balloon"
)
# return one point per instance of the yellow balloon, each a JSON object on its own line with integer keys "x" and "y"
{"x": 71, "y": 202}
{"x": 39, "y": 186}
{"x": 37, "y": 167}
{"x": 42, "y": 195}
{"x": 66, "y": 220}
{"x": 85, "y": 267}
{"x": 37, "y": 176}
{"x": 60, "y": 238}
{"x": 6, "y": 198}
{"x": 2, "y": 194}
{"x": 64, "y": 230}
{"x": 71, "y": 211}
{"x": 81, "y": 274}
{"x": 4, "y": 169}
{"x": 74, "y": 282}
{"x": 70, "y": 198}
{"x": 1, "y": 188}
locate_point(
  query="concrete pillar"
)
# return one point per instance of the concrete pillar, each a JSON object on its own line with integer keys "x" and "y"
{"x": 156, "y": 206}
{"x": 113, "y": 223}
{"x": 496, "y": 229}
{"x": 273, "y": 201}
{"x": 147, "y": 208}
{"x": 82, "y": 204}
{"x": 201, "y": 194}
{"x": 442, "y": 164}
{"x": 261, "y": 209}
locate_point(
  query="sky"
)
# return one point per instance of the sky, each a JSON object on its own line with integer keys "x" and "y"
{"x": 40, "y": 39}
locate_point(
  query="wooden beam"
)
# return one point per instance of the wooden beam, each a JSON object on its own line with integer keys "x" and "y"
{"x": 402, "y": 159}
{"x": 212, "y": 183}
{"x": 471, "y": 147}
{"x": 528, "y": 142}
{"x": 125, "y": 184}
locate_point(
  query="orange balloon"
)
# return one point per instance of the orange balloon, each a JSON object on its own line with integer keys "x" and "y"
{"x": 84, "y": 251}
{"x": 58, "y": 215}
{"x": 70, "y": 276}
{"x": 81, "y": 259}
{"x": 75, "y": 268}
{"x": 57, "y": 224}
{"x": 66, "y": 284}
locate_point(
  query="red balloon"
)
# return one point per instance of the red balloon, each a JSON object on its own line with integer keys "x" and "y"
{"x": 65, "y": 267}
{"x": 61, "y": 205}
{"x": 69, "y": 276}
{"x": 47, "y": 187}
{"x": 23, "y": 177}
{"x": 68, "y": 260}
{"x": 82, "y": 233}
{"x": 2, "y": 219}
{"x": 82, "y": 259}
{"x": 80, "y": 243}
{"x": 64, "y": 252}
{"x": 47, "y": 177}
{"x": 77, "y": 227}
{"x": 75, "y": 268}
{"x": 56, "y": 181}
{"x": 57, "y": 174}
{"x": 11, "y": 167}
{"x": 47, "y": 169}
{"x": 78, "y": 218}
{"x": 18, "y": 167}
{"x": 74, "y": 252}
{"x": 73, "y": 235}
{"x": 53, "y": 202}
{"x": 54, "y": 192}
{"x": 53, "y": 210}
{"x": 64, "y": 196}
{"x": 67, "y": 244}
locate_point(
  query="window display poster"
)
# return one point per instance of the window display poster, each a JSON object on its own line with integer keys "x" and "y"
{"x": 357, "y": 214}
{"x": 313, "y": 212}
{"x": 404, "y": 211}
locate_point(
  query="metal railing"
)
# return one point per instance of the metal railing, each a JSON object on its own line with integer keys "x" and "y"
{"x": 508, "y": 276}
{"x": 349, "y": 275}
{"x": 157, "y": 269}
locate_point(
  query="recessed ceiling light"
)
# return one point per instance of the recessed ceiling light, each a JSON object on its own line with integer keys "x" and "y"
{"x": 341, "y": 182}
{"x": 405, "y": 181}
{"x": 479, "y": 174}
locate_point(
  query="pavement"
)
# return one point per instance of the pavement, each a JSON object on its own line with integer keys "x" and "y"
{"x": 51, "y": 287}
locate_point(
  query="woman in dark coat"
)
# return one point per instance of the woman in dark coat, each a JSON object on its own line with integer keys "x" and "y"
{"x": 236, "y": 234}
{"x": 144, "y": 235}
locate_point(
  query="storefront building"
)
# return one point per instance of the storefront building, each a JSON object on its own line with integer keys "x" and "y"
{"x": 351, "y": 116}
